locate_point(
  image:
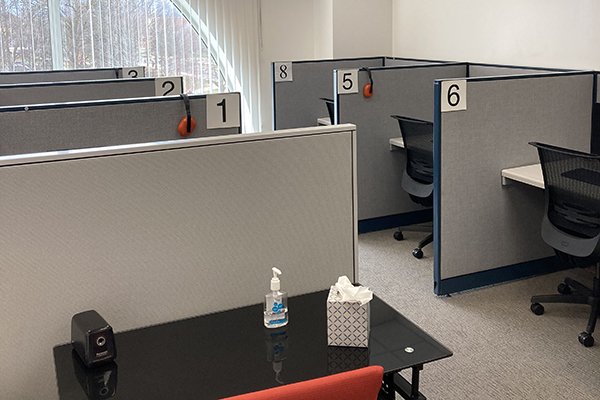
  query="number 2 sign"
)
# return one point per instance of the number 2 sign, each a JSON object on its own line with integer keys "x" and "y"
{"x": 454, "y": 95}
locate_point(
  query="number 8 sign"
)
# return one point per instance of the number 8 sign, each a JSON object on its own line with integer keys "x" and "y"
{"x": 283, "y": 72}
{"x": 454, "y": 95}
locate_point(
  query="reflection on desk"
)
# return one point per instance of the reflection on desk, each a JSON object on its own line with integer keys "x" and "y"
{"x": 229, "y": 353}
{"x": 323, "y": 121}
{"x": 528, "y": 174}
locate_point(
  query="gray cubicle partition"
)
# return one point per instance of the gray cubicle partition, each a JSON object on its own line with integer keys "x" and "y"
{"x": 297, "y": 102}
{"x": 484, "y": 232}
{"x": 59, "y": 92}
{"x": 298, "y": 90}
{"x": 66, "y": 126}
{"x": 397, "y": 61}
{"x": 162, "y": 231}
{"x": 71, "y": 75}
{"x": 404, "y": 90}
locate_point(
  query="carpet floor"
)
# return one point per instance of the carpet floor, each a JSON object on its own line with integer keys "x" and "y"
{"x": 501, "y": 349}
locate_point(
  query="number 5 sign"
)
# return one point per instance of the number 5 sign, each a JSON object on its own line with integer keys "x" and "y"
{"x": 454, "y": 95}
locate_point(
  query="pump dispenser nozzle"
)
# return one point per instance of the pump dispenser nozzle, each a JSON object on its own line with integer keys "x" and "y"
{"x": 275, "y": 283}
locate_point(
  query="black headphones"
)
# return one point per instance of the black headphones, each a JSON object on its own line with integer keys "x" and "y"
{"x": 188, "y": 123}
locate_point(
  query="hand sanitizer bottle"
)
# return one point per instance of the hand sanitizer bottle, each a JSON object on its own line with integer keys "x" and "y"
{"x": 275, "y": 310}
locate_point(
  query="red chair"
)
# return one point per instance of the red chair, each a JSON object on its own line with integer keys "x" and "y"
{"x": 358, "y": 384}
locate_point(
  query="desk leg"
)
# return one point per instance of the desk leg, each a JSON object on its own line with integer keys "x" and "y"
{"x": 409, "y": 391}
{"x": 388, "y": 387}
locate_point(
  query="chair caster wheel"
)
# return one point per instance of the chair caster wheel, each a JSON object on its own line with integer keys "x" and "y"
{"x": 398, "y": 235}
{"x": 537, "y": 308}
{"x": 417, "y": 253}
{"x": 586, "y": 339}
{"x": 563, "y": 288}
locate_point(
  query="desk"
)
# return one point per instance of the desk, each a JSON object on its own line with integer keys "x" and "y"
{"x": 528, "y": 174}
{"x": 323, "y": 121}
{"x": 396, "y": 142}
{"x": 229, "y": 353}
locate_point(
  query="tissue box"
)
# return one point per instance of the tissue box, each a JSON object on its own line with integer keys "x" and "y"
{"x": 347, "y": 323}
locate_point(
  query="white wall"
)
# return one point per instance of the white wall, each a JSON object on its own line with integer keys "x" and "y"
{"x": 362, "y": 28}
{"x": 553, "y": 33}
{"x": 316, "y": 29}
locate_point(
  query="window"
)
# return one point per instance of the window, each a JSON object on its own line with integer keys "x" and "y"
{"x": 108, "y": 33}
{"x": 24, "y": 35}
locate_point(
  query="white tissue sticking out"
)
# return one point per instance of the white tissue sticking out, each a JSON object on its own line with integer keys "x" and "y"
{"x": 355, "y": 294}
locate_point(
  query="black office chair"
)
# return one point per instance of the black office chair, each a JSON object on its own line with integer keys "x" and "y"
{"x": 571, "y": 225}
{"x": 417, "y": 179}
{"x": 329, "y": 104}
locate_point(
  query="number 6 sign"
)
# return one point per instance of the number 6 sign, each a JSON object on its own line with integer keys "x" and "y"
{"x": 454, "y": 95}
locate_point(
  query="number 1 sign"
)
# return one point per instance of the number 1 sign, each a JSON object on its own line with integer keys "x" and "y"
{"x": 222, "y": 111}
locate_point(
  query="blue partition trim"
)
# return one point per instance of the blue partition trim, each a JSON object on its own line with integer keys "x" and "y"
{"x": 394, "y": 221}
{"x": 437, "y": 171}
{"x": 502, "y": 274}
{"x": 595, "y": 142}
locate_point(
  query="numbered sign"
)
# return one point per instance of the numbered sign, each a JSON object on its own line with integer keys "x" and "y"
{"x": 223, "y": 111}
{"x": 132, "y": 72}
{"x": 169, "y": 86}
{"x": 283, "y": 72}
{"x": 454, "y": 95}
{"x": 347, "y": 81}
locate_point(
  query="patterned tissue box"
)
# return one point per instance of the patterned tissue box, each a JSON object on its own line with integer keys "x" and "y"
{"x": 347, "y": 322}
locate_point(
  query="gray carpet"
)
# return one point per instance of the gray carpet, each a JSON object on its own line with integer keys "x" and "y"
{"x": 501, "y": 349}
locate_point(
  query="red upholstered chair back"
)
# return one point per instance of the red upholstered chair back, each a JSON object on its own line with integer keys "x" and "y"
{"x": 358, "y": 384}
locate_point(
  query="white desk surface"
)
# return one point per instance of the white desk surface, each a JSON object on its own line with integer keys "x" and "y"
{"x": 528, "y": 174}
{"x": 396, "y": 142}
{"x": 323, "y": 121}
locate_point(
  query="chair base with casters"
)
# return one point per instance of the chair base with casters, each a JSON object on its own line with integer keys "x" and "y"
{"x": 573, "y": 292}
{"x": 418, "y": 251}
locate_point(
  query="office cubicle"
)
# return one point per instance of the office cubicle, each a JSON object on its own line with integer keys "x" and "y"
{"x": 60, "y": 75}
{"x": 67, "y": 126}
{"x": 403, "y": 90}
{"x": 60, "y": 92}
{"x": 298, "y": 86}
{"x": 156, "y": 232}
{"x": 485, "y": 233}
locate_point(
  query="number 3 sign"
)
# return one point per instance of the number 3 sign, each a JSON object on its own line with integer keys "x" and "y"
{"x": 454, "y": 95}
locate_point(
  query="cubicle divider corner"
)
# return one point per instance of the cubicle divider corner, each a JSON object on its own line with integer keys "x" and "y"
{"x": 486, "y": 233}
{"x": 404, "y": 90}
{"x": 157, "y": 232}
{"x": 101, "y": 89}
{"x": 100, "y": 123}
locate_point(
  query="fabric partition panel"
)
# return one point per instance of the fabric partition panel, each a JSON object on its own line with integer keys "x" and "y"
{"x": 71, "y": 75}
{"x": 406, "y": 91}
{"x": 59, "y": 92}
{"x": 482, "y": 70}
{"x": 297, "y": 103}
{"x": 69, "y": 126}
{"x": 484, "y": 232}
{"x": 394, "y": 62}
{"x": 164, "y": 231}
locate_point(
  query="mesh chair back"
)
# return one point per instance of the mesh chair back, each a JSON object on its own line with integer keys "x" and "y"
{"x": 418, "y": 141}
{"x": 572, "y": 183}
